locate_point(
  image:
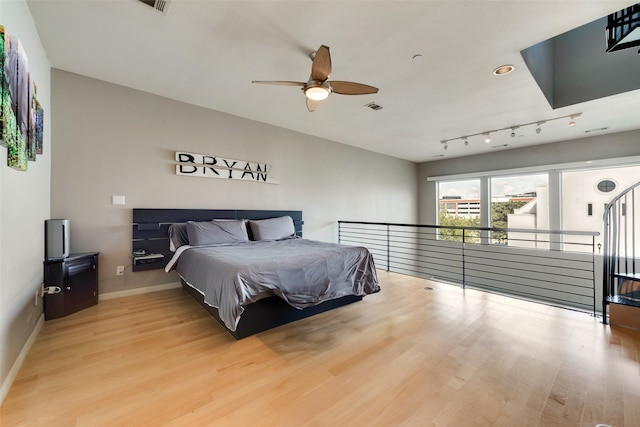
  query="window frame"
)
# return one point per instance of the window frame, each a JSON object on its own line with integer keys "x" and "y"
{"x": 554, "y": 172}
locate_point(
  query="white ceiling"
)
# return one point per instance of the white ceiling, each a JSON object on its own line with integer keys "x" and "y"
{"x": 207, "y": 53}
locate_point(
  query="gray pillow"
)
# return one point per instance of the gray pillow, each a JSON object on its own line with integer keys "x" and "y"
{"x": 178, "y": 236}
{"x": 272, "y": 228}
{"x": 217, "y": 232}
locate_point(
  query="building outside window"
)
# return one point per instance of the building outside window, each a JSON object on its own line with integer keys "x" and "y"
{"x": 585, "y": 193}
{"x": 522, "y": 202}
{"x": 459, "y": 206}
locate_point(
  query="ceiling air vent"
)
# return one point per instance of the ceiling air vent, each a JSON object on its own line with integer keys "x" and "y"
{"x": 159, "y": 5}
{"x": 596, "y": 130}
{"x": 374, "y": 106}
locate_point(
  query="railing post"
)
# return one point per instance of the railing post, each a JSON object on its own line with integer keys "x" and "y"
{"x": 593, "y": 270}
{"x": 388, "y": 251}
{"x": 605, "y": 265}
{"x": 464, "y": 269}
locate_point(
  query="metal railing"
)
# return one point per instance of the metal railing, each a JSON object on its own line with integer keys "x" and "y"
{"x": 621, "y": 267}
{"x": 552, "y": 267}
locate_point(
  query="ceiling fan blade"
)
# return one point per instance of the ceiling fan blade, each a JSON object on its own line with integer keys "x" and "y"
{"x": 311, "y": 105}
{"x": 351, "y": 88}
{"x": 279, "y": 83}
{"x": 321, "y": 67}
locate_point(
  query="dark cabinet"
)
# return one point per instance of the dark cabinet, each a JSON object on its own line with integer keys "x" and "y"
{"x": 77, "y": 279}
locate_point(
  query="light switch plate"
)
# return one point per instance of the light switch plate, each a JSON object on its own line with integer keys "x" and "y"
{"x": 117, "y": 200}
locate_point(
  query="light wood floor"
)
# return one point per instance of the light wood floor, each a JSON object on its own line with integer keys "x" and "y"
{"x": 408, "y": 356}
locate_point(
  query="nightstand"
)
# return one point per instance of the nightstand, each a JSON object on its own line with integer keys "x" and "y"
{"x": 77, "y": 278}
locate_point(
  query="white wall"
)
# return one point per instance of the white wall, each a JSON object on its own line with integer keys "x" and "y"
{"x": 111, "y": 140}
{"x": 580, "y": 188}
{"x": 24, "y": 205}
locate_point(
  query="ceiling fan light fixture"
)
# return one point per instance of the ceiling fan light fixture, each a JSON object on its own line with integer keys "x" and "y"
{"x": 317, "y": 93}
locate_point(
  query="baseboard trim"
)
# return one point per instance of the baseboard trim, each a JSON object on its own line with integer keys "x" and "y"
{"x": 138, "y": 291}
{"x": 13, "y": 372}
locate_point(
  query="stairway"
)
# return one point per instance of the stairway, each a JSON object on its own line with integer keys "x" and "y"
{"x": 621, "y": 282}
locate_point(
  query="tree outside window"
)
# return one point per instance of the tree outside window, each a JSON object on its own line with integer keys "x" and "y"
{"x": 459, "y": 206}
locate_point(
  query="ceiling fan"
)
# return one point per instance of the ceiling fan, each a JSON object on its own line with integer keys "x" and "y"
{"x": 318, "y": 87}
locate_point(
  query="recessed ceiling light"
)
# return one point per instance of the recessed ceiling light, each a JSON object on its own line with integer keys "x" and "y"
{"x": 503, "y": 69}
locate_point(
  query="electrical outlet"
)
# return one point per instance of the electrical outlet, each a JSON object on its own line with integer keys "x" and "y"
{"x": 120, "y": 270}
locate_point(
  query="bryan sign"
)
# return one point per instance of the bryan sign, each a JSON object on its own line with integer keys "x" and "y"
{"x": 206, "y": 166}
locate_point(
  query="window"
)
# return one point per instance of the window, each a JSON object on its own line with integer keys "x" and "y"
{"x": 459, "y": 206}
{"x": 519, "y": 202}
{"x": 606, "y": 186}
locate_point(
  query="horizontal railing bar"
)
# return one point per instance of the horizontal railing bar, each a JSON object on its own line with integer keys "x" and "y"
{"x": 529, "y": 263}
{"x": 539, "y": 295}
{"x": 489, "y": 251}
{"x": 535, "y": 287}
{"x": 439, "y": 267}
{"x": 536, "y": 298}
{"x": 528, "y": 287}
{"x": 516, "y": 230}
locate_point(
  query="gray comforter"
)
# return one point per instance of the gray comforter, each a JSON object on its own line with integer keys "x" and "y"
{"x": 300, "y": 271}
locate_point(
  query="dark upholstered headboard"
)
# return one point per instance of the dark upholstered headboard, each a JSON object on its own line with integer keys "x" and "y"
{"x": 150, "y": 229}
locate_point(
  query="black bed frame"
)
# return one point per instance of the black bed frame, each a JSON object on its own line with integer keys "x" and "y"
{"x": 150, "y": 232}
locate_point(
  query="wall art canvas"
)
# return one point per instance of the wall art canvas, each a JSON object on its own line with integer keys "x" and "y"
{"x": 21, "y": 116}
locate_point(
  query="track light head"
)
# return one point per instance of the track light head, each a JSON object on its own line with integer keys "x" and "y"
{"x": 444, "y": 145}
{"x": 466, "y": 141}
{"x": 572, "y": 122}
{"x": 487, "y": 137}
{"x": 538, "y": 128}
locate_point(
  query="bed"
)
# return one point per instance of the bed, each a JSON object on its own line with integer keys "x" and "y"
{"x": 251, "y": 270}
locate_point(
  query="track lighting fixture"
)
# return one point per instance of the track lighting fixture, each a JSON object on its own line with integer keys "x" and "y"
{"x": 487, "y": 133}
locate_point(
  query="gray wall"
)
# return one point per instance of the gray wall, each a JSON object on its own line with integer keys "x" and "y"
{"x": 112, "y": 140}
{"x": 24, "y": 205}
{"x": 574, "y": 67}
{"x": 594, "y": 148}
